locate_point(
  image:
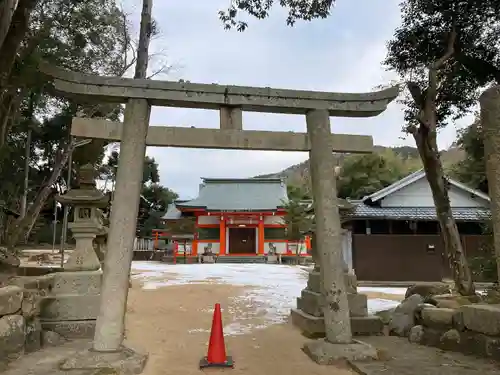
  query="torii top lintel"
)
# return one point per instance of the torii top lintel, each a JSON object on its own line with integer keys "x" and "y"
{"x": 213, "y": 96}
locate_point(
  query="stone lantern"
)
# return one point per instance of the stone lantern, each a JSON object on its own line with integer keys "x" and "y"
{"x": 87, "y": 224}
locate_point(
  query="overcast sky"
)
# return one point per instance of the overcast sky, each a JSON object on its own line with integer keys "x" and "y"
{"x": 342, "y": 53}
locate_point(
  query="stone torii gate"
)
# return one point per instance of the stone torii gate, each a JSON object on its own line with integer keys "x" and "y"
{"x": 139, "y": 95}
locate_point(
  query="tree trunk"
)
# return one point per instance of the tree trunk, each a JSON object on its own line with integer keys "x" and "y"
{"x": 428, "y": 150}
{"x": 23, "y": 223}
{"x": 19, "y": 26}
{"x": 141, "y": 67}
{"x": 425, "y": 136}
{"x": 27, "y": 156}
{"x": 6, "y": 12}
{"x": 10, "y": 103}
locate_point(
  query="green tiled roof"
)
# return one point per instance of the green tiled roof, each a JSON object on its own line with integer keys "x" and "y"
{"x": 253, "y": 194}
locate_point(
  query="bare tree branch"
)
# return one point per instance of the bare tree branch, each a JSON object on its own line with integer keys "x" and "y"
{"x": 434, "y": 68}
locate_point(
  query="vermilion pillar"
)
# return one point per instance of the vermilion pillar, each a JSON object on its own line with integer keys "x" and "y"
{"x": 260, "y": 241}
{"x": 194, "y": 244}
{"x": 194, "y": 247}
{"x": 222, "y": 236}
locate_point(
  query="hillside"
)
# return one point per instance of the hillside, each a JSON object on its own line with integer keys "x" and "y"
{"x": 298, "y": 174}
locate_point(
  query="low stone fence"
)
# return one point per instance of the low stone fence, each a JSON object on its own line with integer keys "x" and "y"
{"x": 449, "y": 322}
{"x": 470, "y": 329}
{"x": 20, "y": 326}
{"x": 46, "y": 311}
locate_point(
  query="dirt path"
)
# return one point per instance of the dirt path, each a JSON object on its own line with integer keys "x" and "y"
{"x": 399, "y": 357}
{"x": 159, "y": 321}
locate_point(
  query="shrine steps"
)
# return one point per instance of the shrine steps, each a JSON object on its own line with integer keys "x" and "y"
{"x": 241, "y": 259}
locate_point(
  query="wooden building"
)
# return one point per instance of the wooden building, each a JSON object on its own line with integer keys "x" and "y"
{"x": 393, "y": 234}
{"x": 241, "y": 217}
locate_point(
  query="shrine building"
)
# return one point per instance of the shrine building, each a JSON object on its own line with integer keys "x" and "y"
{"x": 235, "y": 216}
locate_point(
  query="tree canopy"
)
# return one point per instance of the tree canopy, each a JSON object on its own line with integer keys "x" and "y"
{"x": 472, "y": 169}
{"x": 305, "y": 10}
{"x": 297, "y": 193}
{"x": 298, "y": 218}
{"x": 155, "y": 198}
{"x": 362, "y": 175}
{"x": 429, "y": 28}
{"x": 445, "y": 52}
{"x": 85, "y": 36}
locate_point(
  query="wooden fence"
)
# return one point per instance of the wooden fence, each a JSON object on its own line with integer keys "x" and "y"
{"x": 144, "y": 244}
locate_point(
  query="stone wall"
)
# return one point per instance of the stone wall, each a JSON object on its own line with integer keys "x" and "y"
{"x": 472, "y": 329}
{"x": 20, "y": 326}
{"x": 46, "y": 310}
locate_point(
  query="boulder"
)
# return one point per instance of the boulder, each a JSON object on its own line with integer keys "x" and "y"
{"x": 30, "y": 305}
{"x": 481, "y": 345}
{"x": 11, "y": 297}
{"x": 403, "y": 318}
{"x": 11, "y": 337}
{"x": 8, "y": 260}
{"x": 492, "y": 295}
{"x": 458, "y": 321}
{"x": 51, "y": 338}
{"x": 449, "y": 304}
{"x": 416, "y": 334}
{"x": 428, "y": 289}
{"x": 33, "y": 335}
{"x": 450, "y": 339}
{"x": 454, "y": 301}
{"x": 385, "y": 315}
{"x": 418, "y": 311}
{"x": 482, "y": 318}
{"x": 435, "y": 317}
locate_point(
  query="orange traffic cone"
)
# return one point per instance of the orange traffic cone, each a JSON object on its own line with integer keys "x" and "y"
{"x": 216, "y": 356}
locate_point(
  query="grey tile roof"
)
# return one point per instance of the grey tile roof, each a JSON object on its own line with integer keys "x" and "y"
{"x": 363, "y": 211}
{"x": 172, "y": 213}
{"x": 343, "y": 204}
{"x": 255, "y": 194}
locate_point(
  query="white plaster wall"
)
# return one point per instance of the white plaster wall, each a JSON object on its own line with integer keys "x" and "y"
{"x": 419, "y": 194}
{"x": 347, "y": 248}
{"x": 181, "y": 248}
{"x": 207, "y": 220}
{"x": 280, "y": 247}
{"x": 273, "y": 220}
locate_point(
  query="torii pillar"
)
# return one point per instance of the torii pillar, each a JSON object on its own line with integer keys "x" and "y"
{"x": 108, "y": 349}
{"x": 490, "y": 122}
{"x": 338, "y": 343}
